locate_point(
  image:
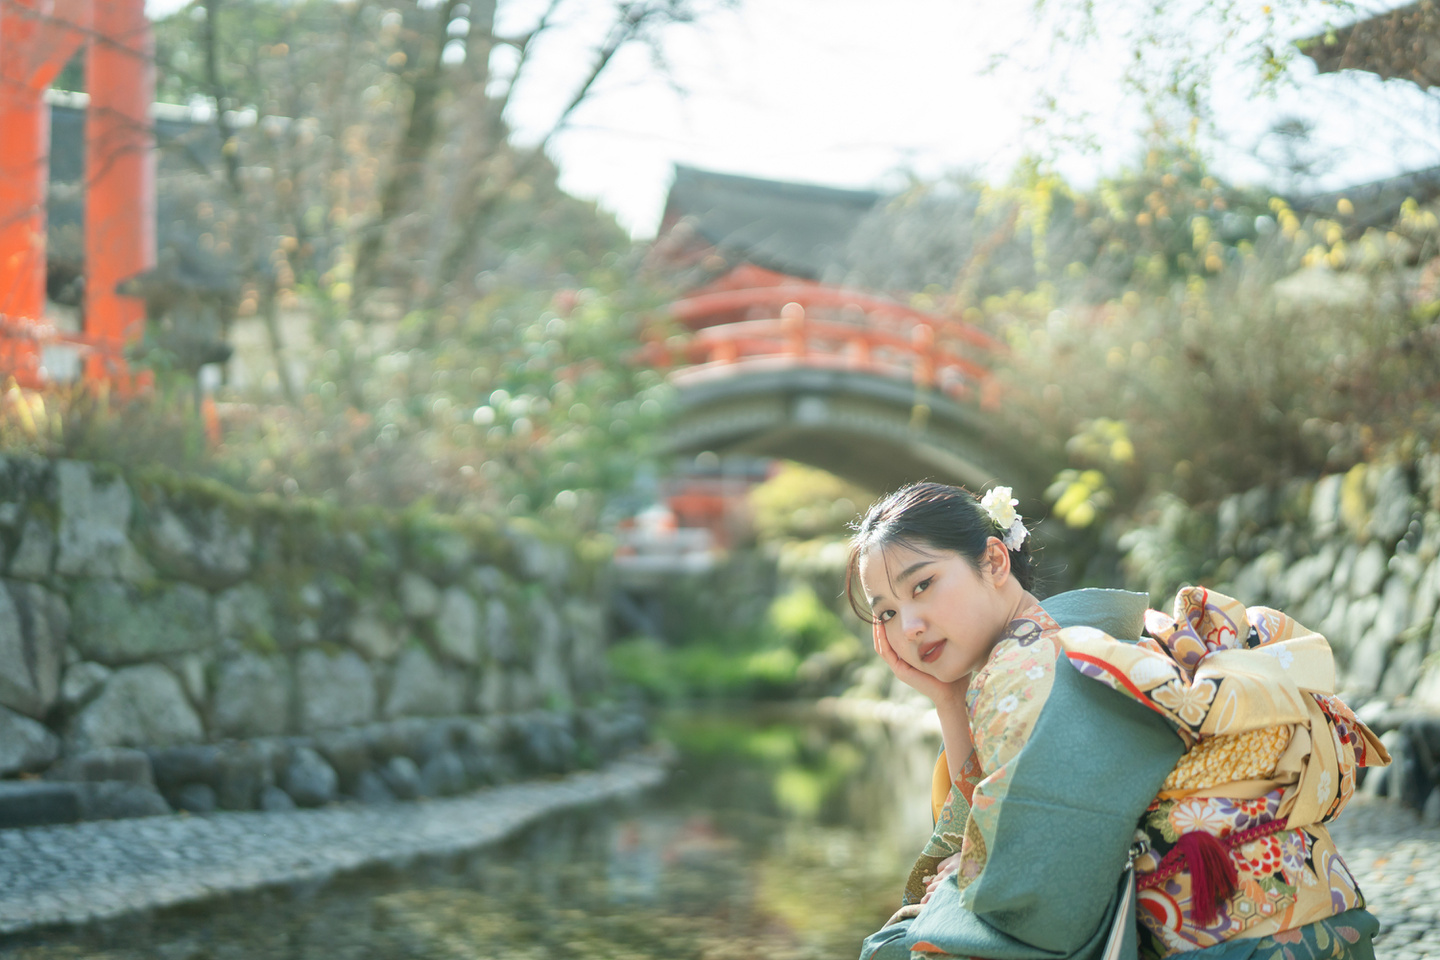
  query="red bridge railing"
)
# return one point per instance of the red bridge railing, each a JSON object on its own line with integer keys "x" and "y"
{"x": 890, "y": 340}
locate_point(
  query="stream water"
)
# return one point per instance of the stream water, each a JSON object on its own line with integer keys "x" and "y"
{"x": 778, "y": 835}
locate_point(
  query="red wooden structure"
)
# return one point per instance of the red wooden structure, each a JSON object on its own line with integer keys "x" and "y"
{"x": 37, "y": 39}
{"x": 753, "y": 319}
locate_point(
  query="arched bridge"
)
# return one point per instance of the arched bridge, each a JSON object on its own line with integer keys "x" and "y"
{"x": 859, "y": 385}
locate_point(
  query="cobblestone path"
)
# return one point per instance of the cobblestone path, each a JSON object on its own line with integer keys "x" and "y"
{"x": 1396, "y": 858}
{"x": 88, "y": 871}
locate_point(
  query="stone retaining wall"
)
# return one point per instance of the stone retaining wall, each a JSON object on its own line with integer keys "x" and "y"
{"x": 1356, "y": 556}
{"x": 152, "y": 613}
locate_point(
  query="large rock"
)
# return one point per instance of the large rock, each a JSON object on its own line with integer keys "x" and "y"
{"x": 244, "y": 613}
{"x": 114, "y": 627}
{"x": 1426, "y": 691}
{"x": 370, "y": 788}
{"x": 35, "y": 803}
{"x": 118, "y": 764}
{"x": 244, "y": 773}
{"x": 1333, "y": 624}
{"x": 82, "y": 681}
{"x": 587, "y": 643}
{"x": 372, "y": 636}
{"x": 419, "y": 687}
{"x": 1403, "y": 669}
{"x": 1259, "y": 580}
{"x": 252, "y": 697}
{"x": 1369, "y": 570}
{"x": 24, "y": 744}
{"x": 552, "y": 674}
{"x": 457, "y": 626}
{"x": 333, "y": 691}
{"x": 521, "y": 692}
{"x": 539, "y": 560}
{"x": 33, "y": 627}
{"x": 120, "y": 799}
{"x": 1394, "y": 614}
{"x": 1394, "y": 505}
{"x": 196, "y": 798}
{"x": 140, "y": 706}
{"x": 1367, "y": 664}
{"x": 1325, "y": 505}
{"x": 193, "y": 670}
{"x": 1344, "y": 567}
{"x": 348, "y": 753}
{"x": 1427, "y": 593}
{"x": 1302, "y": 580}
{"x": 403, "y": 736}
{"x": 309, "y": 780}
{"x": 205, "y": 547}
{"x": 94, "y": 525}
{"x": 499, "y": 637}
{"x": 1359, "y": 618}
{"x": 36, "y": 552}
{"x": 402, "y": 777}
{"x": 491, "y": 692}
{"x": 190, "y": 763}
{"x": 443, "y": 775}
{"x": 419, "y": 598}
{"x": 275, "y": 800}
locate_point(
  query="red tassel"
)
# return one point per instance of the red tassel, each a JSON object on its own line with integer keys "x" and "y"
{"x": 1212, "y": 875}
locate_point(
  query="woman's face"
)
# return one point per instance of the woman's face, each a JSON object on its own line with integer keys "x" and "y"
{"x": 939, "y": 613}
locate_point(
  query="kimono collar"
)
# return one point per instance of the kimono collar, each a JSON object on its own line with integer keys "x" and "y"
{"x": 1119, "y": 613}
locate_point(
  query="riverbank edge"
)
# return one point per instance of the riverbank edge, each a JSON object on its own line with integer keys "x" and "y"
{"x": 907, "y": 715}
{"x": 80, "y": 873}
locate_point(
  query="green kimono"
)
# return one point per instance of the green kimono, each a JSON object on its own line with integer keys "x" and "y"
{"x": 1055, "y": 816}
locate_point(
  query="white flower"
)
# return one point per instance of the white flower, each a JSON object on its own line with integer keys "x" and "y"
{"x": 1008, "y": 704}
{"x": 1280, "y": 653}
{"x": 1015, "y": 535}
{"x": 1001, "y": 507}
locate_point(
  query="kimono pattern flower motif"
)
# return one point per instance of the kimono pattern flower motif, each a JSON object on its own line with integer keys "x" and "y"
{"x": 1190, "y": 703}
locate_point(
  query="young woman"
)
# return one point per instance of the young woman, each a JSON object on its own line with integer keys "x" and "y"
{"x": 1086, "y": 733}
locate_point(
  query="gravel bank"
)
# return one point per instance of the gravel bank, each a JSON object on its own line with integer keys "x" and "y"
{"x": 88, "y": 871}
{"x": 1396, "y": 858}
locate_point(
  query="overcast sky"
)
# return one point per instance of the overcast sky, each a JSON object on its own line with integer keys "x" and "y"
{"x": 856, "y": 92}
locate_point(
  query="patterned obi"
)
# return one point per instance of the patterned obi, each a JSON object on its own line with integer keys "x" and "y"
{"x": 1271, "y": 757}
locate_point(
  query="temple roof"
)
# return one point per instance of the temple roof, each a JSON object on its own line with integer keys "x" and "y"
{"x": 795, "y": 228}
{"x": 1376, "y": 203}
{"x": 1403, "y": 43}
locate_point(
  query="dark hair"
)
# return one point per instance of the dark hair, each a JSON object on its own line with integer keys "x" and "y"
{"x": 933, "y": 515}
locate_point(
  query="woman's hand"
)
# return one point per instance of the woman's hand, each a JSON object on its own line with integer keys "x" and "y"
{"x": 946, "y": 867}
{"x": 942, "y": 694}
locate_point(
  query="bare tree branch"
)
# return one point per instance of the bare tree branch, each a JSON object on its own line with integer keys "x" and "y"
{"x": 631, "y": 20}
{"x": 407, "y": 169}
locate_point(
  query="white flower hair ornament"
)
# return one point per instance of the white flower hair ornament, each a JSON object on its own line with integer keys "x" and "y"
{"x": 1000, "y": 506}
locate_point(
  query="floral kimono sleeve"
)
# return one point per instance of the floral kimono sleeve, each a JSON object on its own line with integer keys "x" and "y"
{"x": 950, "y": 820}
{"x": 1070, "y": 765}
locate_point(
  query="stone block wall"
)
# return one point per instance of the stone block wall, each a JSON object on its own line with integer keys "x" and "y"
{"x": 150, "y": 613}
{"x": 1356, "y": 556}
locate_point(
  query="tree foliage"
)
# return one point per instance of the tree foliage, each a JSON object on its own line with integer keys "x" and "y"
{"x": 1170, "y": 332}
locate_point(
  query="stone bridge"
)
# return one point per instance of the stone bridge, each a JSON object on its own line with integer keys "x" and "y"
{"x": 856, "y": 384}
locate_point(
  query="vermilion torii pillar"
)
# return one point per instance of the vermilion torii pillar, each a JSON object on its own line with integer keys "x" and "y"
{"x": 119, "y": 179}
{"x": 37, "y": 38}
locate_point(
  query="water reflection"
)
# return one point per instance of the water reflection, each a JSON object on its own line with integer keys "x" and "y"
{"x": 778, "y": 836}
